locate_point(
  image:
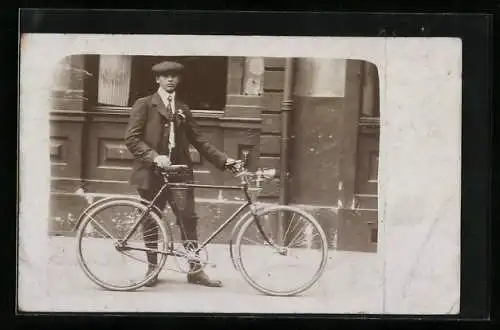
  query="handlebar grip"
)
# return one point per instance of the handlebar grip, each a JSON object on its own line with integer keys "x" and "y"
{"x": 269, "y": 173}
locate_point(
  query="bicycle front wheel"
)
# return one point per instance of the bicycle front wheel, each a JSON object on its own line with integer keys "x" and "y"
{"x": 128, "y": 266}
{"x": 286, "y": 262}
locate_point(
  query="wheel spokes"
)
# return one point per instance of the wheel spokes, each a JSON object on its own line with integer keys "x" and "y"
{"x": 106, "y": 259}
{"x": 295, "y": 259}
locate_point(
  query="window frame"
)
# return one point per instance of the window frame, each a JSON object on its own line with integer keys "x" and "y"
{"x": 211, "y": 113}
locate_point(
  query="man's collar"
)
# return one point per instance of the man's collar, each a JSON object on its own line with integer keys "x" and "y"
{"x": 164, "y": 93}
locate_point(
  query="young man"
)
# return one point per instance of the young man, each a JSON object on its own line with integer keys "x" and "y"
{"x": 160, "y": 130}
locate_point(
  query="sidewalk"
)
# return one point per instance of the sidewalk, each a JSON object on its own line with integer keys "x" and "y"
{"x": 351, "y": 284}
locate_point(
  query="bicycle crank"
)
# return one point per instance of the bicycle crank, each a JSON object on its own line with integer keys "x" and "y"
{"x": 189, "y": 261}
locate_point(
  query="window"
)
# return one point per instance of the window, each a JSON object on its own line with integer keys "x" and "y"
{"x": 124, "y": 79}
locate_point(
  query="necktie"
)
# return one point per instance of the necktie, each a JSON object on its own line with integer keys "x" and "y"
{"x": 169, "y": 106}
{"x": 171, "y": 137}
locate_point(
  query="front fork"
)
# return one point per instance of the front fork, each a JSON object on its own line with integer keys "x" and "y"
{"x": 255, "y": 214}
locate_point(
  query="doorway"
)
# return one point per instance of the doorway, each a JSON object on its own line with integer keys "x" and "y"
{"x": 358, "y": 214}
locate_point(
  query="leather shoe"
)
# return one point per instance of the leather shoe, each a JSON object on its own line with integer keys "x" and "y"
{"x": 201, "y": 278}
{"x": 152, "y": 282}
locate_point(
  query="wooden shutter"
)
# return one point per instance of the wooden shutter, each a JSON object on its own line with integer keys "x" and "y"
{"x": 114, "y": 80}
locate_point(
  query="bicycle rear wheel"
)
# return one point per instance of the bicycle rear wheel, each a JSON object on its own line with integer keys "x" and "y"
{"x": 105, "y": 263}
{"x": 297, "y": 253}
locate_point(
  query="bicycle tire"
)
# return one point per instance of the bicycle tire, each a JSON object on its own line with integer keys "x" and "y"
{"x": 167, "y": 234}
{"x": 324, "y": 250}
{"x": 232, "y": 237}
{"x": 112, "y": 198}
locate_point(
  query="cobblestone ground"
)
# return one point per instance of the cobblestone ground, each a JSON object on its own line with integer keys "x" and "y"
{"x": 351, "y": 284}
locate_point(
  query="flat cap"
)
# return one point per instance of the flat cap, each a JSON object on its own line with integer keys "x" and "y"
{"x": 167, "y": 66}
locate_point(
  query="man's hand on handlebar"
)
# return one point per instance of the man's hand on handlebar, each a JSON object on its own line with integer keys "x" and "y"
{"x": 162, "y": 161}
{"x": 233, "y": 165}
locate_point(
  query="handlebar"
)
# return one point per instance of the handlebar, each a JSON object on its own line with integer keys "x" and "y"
{"x": 261, "y": 174}
{"x": 176, "y": 167}
{"x": 237, "y": 168}
{"x": 267, "y": 173}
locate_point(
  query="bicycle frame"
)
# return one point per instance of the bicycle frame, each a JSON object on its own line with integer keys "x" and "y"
{"x": 168, "y": 185}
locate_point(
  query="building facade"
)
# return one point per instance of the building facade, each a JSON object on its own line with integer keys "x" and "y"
{"x": 315, "y": 120}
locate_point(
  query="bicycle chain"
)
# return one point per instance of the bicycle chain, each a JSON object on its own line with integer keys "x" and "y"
{"x": 180, "y": 269}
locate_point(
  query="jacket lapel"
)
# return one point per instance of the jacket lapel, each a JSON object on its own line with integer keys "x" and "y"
{"x": 157, "y": 102}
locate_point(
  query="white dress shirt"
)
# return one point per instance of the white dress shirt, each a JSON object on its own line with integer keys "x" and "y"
{"x": 164, "y": 95}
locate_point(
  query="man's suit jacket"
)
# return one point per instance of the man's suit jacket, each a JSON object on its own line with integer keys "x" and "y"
{"x": 144, "y": 137}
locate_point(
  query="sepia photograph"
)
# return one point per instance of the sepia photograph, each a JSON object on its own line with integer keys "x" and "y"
{"x": 248, "y": 175}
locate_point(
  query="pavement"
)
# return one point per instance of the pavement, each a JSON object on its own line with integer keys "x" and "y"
{"x": 351, "y": 283}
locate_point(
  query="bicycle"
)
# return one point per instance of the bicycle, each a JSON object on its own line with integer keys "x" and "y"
{"x": 255, "y": 222}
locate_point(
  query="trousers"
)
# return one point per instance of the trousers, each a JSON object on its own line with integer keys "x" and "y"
{"x": 182, "y": 203}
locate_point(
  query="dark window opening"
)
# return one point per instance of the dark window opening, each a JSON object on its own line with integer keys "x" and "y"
{"x": 203, "y": 83}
